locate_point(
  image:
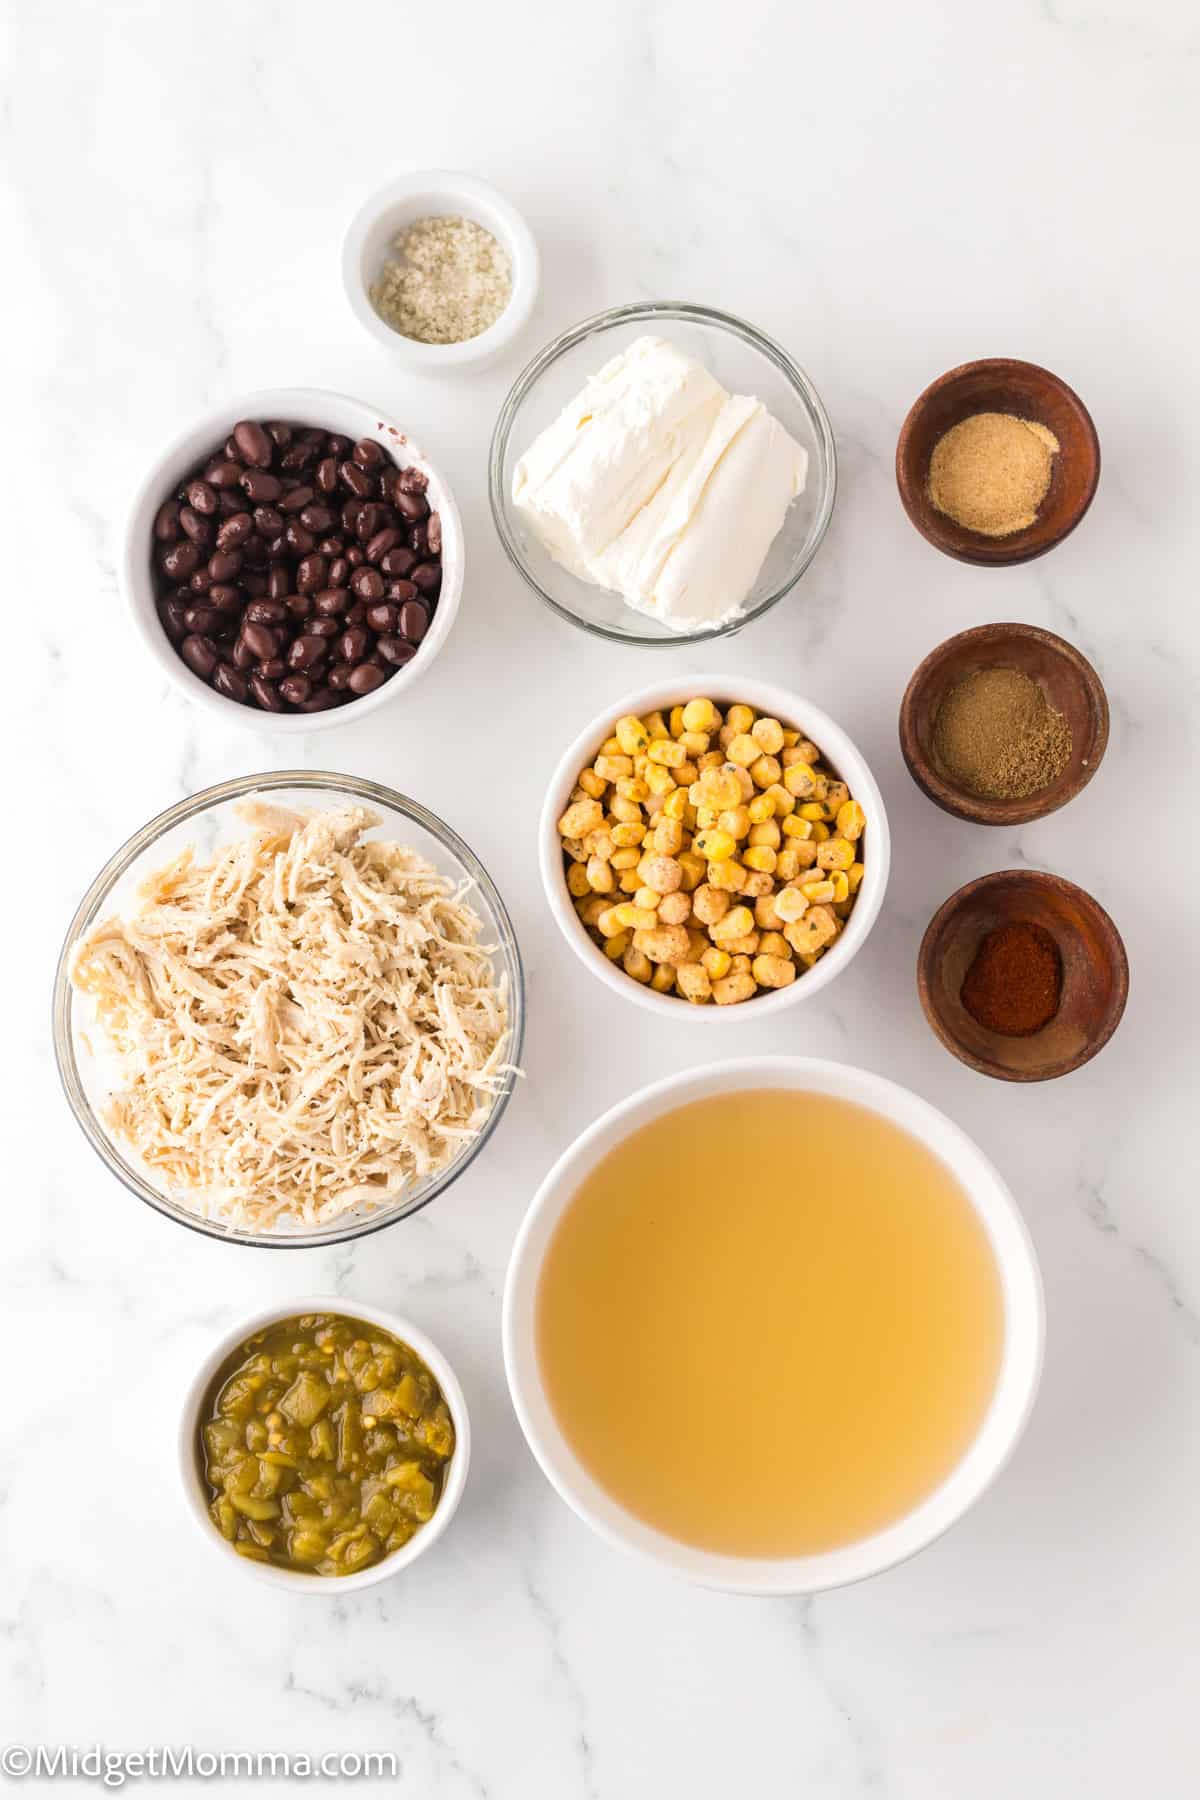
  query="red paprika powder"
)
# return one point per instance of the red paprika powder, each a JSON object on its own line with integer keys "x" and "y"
{"x": 1014, "y": 985}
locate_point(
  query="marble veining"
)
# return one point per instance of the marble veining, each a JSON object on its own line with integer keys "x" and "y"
{"x": 888, "y": 191}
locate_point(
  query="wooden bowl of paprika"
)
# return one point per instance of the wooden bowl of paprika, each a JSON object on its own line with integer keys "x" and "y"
{"x": 1022, "y": 975}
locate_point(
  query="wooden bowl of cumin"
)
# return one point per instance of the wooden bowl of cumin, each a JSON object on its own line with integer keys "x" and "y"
{"x": 1068, "y": 681}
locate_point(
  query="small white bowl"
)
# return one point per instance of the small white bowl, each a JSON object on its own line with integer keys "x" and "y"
{"x": 842, "y": 755}
{"x": 456, "y": 1475}
{"x": 302, "y": 406}
{"x": 434, "y": 193}
{"x": 1003, "y": 1423}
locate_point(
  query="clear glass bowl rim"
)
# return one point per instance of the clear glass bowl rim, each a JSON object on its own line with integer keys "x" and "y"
{"x": 319, "y": 781}
{"x": 651, "y": 310}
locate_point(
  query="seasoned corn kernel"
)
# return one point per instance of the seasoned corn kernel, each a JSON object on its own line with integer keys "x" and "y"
{"x": 615, "y": 947}
{"x": 694, "y": 742}
{"x": 666, "y": 750}
{"x": 790, "y": 904}
{"x": 740, "y": 717}
{"x": 716, "y": 845}
{"x": 628, "y": 916}
{"x": 676, "y": 804}
{"x": 768, "y": 735}
{"x": 662, "y": 873}
{"x": 710, "y": 904}
{"x": 795, "y": 826}
{"x": 693, "y": 867}
{"x": 663, "y": 943}
{"x": 737, "y": 922}
{"x": 762, "y": 809}
{"x": 663, "y": 979}
{"x": 799, "y": 780}
{"x": 717, "y": 962}
{"x": 625, "y": 856}
{"x": 841, "y": 886}
{"x": 755, "y": 884}
{"x": 577, "y": 881}
{"x": 647, "y": 898}
{"x": 675, "y": 720}
{"x": 631, "y": 734}
{"x": 760, "y": 857}
{"x": 659, "y": 779}
{"x": 623, "y": 811}
{"x": 720, "y": 787}
{"x": 624, "y": 837}
{"x": 739, "y": 965}
{"x": 811, "y": 933}
{"x": 636, "y": 964}
{"x": 668, "y": 837}
{"x": 733, "y": 989}
{"x": 851, "y": 821}
{"x": 814, "y": 891}
{"x": 592, "y": 784}
{"x": 600, "y": 875}
{"x": 613, "y": 768}
{"x": 632, "y": 787}
{"x": 675, "y": 909}
{"x": 765, "y": 771}
{"x": 736, "y": 821}
{"x": 629, "y": 881}
{"x": 766, "y": 833}
{"x": 773, "y": 943}
{"x": 582, "y": 817}
{"x": 835, "y": 854}
{"x": 765, "y": 915}
{"x": 693, "y": 983}
{"x": 784, "y": 802}
{"x": 728, "y": 875}
{"x": 854, "y": 875}
{"x": 699, "y": 715}
{"x": 773, "y": 971}
{"x": 742, "y": 750}
{"x": 656, "y": 725}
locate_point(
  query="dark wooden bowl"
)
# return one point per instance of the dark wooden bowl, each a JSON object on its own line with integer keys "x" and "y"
{"x": 1095, "y": 974}
{"x": 1067, "y": 679}
{"x": 1000, "y": 384}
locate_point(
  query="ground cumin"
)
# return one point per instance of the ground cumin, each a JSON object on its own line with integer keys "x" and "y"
{"x": 990, "y": 472}
{"x": 1014, "y": 985}
{"x": 997, "y": 735}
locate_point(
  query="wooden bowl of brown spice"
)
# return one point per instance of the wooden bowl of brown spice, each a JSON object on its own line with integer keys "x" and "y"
{"x": 1003, "y": 724}
{"x": 1022, "y": 975}
{"x": 997, "y": 461}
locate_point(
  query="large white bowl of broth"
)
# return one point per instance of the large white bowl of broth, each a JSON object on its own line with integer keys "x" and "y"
{"x": 775, "y": 1324}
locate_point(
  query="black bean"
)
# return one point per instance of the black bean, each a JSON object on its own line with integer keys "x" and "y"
{"x": 279, "y": 433}
{"x": 254, "y": 444}
{"x": 418, "y": 541}
{"x": 225, "y": 597}
{"x": 368, "y": 454}
{"x": 300, "y": 605}
{"x": 166, "y": 522}
{"x": 409, "y": 481}
{"x": 414, "y": 621}
{"x": 268, "y": 520}
{"x": 400, "y": 591}
{"x": 298, "y": 538}
{"x": 381, "y": 543}
{"x": 433, "y": 534}
{"x": 323, "y": 628}
{"x": 242, "y": 657}
{"x": 279, "y": 580}
{"x": 222, "y": 474}
{"x": 295, "y": 689}
{"x": 311, "y": 574}
{"x": 367, "y": 584}
{"x": 264, "y": 694}
{"x": 266, "y": 612}
{"x": 428, "y": 577}
{"x": 235, "y": 531}
{"x": 200, "y": 655}
{"x": 319, "y": 701}
{"x": 332, "y": 601}
{"x": 204, "y": 619}
{"x": 339, "y": 572}
{"x": 356, "y": 479}
{"x": 272, "y": 667}
{"x": 297, "y": 499}
{"x": 398, "y": 561}
{"x": 227, "y": 681}
{"x": 316, "y": 518}
{"x": 179, "y": 560}
{"x": 352, "y": 645}
{"x": 396, "y": 650}
{"x": 172, "y": 613}
{"x": 338, "y": 446}
{"x": 339, "y": 675}
{"x": 199, "y": 582}
{"x": 365, "y": 678}
{"x": 201, "y": 497}
{"x": 383, "y": 616}
{"x": 261, "y": 487}
{"x": 305, "y": 651}
{"x": 411, "y": 507}
{"x": 263, "y": 640}
{"x": 326, "y": 475}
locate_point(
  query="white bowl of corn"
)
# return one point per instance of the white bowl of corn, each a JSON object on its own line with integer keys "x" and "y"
{"x": 714, "y": 841}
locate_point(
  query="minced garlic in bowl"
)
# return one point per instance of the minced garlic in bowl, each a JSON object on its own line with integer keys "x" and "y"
{"x": 449, "y": 280}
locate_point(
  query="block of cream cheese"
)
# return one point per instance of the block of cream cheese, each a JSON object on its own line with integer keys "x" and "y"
{"x": 659, "y": 484}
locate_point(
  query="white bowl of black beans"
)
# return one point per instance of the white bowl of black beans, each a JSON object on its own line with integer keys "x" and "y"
{"x": 293, "y": 560}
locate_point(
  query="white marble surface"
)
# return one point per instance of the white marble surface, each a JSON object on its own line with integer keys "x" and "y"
{"x": 889, "y": 190}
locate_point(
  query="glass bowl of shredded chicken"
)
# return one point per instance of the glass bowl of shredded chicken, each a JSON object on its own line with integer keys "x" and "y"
{"x": 290, "y": 1010}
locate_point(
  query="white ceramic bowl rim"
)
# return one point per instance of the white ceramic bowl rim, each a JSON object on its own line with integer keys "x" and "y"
{"x": 456, "y": 1475}
{"x": 651, "y": 311}
{"x": 307, "y": 405}
{"x": 442, "y": 191}
{"x": 842, "y": 753}
{"x": 998, "y": 1434}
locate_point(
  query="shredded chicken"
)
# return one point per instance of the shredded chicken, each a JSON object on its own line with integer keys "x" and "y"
{"x": 306, "y": 1024}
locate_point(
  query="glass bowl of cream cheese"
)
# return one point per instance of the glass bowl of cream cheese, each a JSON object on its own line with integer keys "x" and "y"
{"x": 662, "y": 473}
